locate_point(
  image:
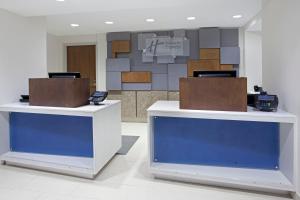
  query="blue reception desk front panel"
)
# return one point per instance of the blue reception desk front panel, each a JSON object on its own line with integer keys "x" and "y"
{"x": 223, "y": 143}
{"x": 51, "y": 134}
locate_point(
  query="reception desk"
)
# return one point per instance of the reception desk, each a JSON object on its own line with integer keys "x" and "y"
{"x": 248, "y": 150}
{"x": 75, "y": 141}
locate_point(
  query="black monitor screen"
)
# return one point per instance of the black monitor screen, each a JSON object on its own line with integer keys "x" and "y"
{"x": 231, "y": 73}
{"x": 64, "y": 75}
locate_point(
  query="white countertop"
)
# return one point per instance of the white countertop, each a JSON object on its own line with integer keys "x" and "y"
{"x": 171, "y": 109}
{"x": 87, "y": 110}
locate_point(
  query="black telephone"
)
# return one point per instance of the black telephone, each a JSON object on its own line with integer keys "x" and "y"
{"x": 98, "y": 97}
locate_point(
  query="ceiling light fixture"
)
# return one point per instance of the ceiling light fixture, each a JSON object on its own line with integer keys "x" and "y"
{"x": 150, "y": 20}
{"x": 60, "y": 0}
{"x": 74, "y": 25}
{"x": 191, "y": 18}
{"x": 237, "y": 16}
{"x": 109, "y": 22}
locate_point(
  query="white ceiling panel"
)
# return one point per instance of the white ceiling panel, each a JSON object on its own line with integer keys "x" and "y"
{"x": 130, "y": 15}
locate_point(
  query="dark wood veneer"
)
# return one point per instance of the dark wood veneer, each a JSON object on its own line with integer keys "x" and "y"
{"x": 58, "y": 92}
{"x": 225, "y": 94}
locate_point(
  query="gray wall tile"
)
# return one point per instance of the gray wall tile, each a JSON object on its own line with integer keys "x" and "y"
{"x": 117, "y": 36}
{"x": 164, "y": 33}
{"x": 209, "y": 38}
{"x": 136, "y": 86}
{"x": 181, "y": 59}
{"x": 113, "y": 81}
{"x": 155, "y": 69}
{"x": 165, "y": 59}
{"x": 186, "y": 47}
{"x": 159, "y": 82}
{"x": 142, "y": 39}
{"x": 117, "y": 64}
{"x": 109, "y": 50}
{"x": 147, "y": 59}
{"x": 177, "y": 70}
{"x": 193, "y": 36}
{"x": 179, "y": 33}
{"x": 123, "y": 55}
{"x": 230, "y": 37}
{"x": 230, "y": 55}
{"x": 173, "y": 83}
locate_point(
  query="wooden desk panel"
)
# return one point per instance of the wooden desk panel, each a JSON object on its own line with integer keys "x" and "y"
{"x": 59, "y": 92}
{"x": 225, "y": 94}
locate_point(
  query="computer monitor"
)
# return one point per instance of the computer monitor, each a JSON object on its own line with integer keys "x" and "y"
{"x": 64, "y": 75}
{"x": 231, "y": 73}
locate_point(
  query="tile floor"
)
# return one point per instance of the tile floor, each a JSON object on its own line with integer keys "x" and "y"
{"x": 125, "y": 177}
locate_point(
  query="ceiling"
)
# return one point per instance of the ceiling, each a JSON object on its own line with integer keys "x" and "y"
{"x": 130, "y": 15}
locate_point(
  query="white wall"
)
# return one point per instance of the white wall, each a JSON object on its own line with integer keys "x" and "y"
{"x": 281, "y": 54}
{"x": 54, "y": 54}
{"x": 253, "y": 58}
{"x": 57, "y": 45}
{"x": 22, "y": 56}
{"x": 242, "y": 54}
{"x": 101, "y": 61}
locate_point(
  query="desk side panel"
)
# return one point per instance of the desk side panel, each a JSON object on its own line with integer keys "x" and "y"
{"x": 51, "y": 134}
{"x": 4, "y": 132}
{"x": 106, "y": 134}
{"x": 223, "y": 143}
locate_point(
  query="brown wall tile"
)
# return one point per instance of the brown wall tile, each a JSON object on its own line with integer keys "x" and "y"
{"x": 136, "y": 77}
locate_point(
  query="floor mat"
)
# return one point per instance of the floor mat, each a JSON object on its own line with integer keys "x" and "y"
{"x": 127, "y": 143}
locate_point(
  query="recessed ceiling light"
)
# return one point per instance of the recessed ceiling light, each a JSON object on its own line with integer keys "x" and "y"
{"x": 60, "y": 0}
{"x": 237, "y": 16}
{"x": 74, "y": 25}
{"x": 150, "y": 20}
{"x": 109, "y": 22}
{"x": 191, "y": 18}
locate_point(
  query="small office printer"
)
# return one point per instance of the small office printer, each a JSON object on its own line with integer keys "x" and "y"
{"x": 263, "y": 101}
